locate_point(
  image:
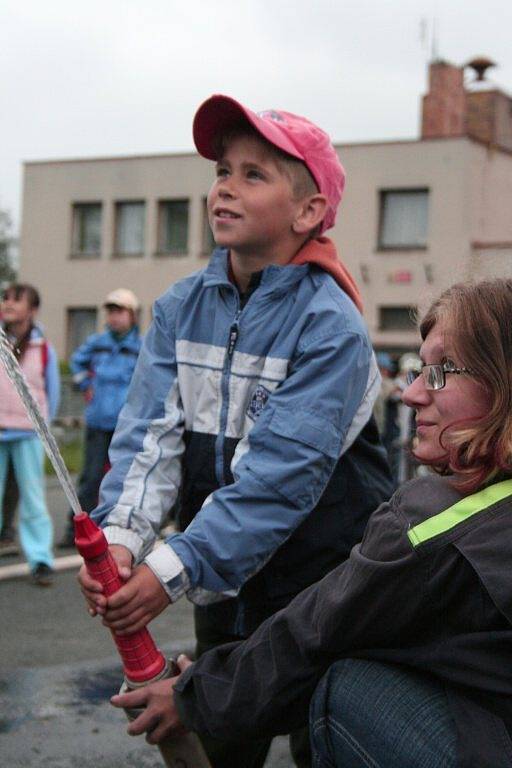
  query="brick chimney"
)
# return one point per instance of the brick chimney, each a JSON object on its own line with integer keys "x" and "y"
{"x": 444, "y": 105}
{"x": 477, "y": 110}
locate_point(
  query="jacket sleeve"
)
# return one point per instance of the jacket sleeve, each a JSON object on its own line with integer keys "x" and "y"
{"x": 146, "y": 449}
{"x": 262, "y": 686}
{"x": 52, "y": 382}
{"x": 291, "y": 452}
{"x": 80, "y": 363}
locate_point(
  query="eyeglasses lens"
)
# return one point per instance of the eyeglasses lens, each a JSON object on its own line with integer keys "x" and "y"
{"x": 434, "y": 376}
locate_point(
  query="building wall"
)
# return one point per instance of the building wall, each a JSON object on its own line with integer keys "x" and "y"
{"x": 469, "y": 189}
{"x": 50, "y": 189}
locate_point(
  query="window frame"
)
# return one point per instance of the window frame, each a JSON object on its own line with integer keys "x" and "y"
{"x": 382, "y": 192}
{"x": 412, "y": 310}
{"x": 69, "y": 309}
{"x": 76, "y": 206}
{"x": 160, "y": 251}
{"x": 206, "y": 238}
{"x": 118, "y": 254}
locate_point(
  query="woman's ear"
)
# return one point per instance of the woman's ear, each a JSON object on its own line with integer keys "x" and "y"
{"x": 311, "y": 213}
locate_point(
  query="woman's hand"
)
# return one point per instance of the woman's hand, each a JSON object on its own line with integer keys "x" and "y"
{"x": 160, "y": 718}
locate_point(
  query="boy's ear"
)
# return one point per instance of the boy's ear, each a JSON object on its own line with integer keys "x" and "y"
{"x": 310, "y": 214}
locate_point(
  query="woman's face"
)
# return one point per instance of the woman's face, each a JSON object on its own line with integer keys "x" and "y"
{"x": 461, "y": 398}
{"x": 16, "y": 310}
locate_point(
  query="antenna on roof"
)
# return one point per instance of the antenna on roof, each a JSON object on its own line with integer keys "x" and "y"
{"x": 429, "y": 37}
{"x": 434, "y": 42}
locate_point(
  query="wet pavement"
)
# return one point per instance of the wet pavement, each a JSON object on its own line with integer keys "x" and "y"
{"x": 58, "y": 669}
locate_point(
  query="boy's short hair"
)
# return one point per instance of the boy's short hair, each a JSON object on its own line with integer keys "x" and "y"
{"x": 302, "y": 182}
{"x": 294, "y": 136}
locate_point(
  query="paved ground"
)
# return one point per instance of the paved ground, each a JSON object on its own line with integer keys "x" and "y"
{"x": 58, "y": 670}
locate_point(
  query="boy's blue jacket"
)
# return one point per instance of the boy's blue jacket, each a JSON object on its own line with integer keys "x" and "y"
{"x": 261, "y": 418}
{"x": 106, "y": 364}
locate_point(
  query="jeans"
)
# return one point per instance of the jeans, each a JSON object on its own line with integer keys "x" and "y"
{"x": 365, "y": 714}
{"x": 35, "y": 524}
{"x": 9, "y": 504}
{"x": 97, "y": 442}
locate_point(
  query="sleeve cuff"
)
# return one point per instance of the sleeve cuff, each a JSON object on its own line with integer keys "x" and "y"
{"x": 169, "y": 570}
{"x": 114, "y": 534}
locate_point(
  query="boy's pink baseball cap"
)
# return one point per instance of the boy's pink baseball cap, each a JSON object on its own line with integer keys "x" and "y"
{"x": 293, "y": 134}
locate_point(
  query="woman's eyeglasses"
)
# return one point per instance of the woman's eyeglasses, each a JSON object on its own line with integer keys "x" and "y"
{"x": 434, "y": 376}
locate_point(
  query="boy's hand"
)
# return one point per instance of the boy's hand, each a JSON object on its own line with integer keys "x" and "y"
{"x": 93, "y": 590}
{"x": 136, "y": 603}
{"x": 160, "y": 717}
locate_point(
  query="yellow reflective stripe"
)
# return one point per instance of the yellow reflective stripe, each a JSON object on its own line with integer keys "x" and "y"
{"x": 462, "y": 510}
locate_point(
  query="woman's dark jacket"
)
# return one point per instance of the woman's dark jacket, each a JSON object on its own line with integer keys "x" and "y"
{"x": 429, "y": 587}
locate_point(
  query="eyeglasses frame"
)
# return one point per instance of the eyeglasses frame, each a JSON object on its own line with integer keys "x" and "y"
{"x": 443, "y": 368}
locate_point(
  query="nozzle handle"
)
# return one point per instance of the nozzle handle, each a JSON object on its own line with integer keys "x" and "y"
{"x": 142, "y": 661}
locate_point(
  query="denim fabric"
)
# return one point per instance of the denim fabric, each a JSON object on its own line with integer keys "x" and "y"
{"x": 97, "y": 443}
{"x": 370, "y": 715}
{"x": 35, "y": 525}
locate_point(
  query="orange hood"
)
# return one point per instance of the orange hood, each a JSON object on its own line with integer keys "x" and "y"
{"x": 322, "y": 252}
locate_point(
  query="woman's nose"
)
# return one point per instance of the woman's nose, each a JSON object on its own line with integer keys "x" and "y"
{"x": 416, "y": 392}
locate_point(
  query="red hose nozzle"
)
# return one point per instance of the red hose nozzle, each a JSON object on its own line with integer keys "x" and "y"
{"x": 142, "y": 660}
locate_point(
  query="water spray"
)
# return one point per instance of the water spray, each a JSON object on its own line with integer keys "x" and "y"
{"x": 143, "y": 662}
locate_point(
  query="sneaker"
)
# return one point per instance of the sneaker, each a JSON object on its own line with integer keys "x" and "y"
{"x": 68, "y": 540}
{"x": 42, "y": 575}
{"x": 8, "y": 547}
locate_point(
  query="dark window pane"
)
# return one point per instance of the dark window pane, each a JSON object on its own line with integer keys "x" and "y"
{"x": 173, "y": 226}
{"x": 80, "y": 323}
{"x": 209, "y": 243}
{"x": 397, "y": 318}
{"x": 86, "y": 229}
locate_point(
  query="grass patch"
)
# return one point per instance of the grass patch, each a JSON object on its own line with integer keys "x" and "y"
{"x": 72, "y": 453}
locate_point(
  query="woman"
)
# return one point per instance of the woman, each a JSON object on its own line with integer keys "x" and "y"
{"x": 19, "y": 443}
{"x": 414, "y": 630}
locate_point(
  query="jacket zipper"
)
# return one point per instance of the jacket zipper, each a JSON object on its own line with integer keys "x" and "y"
{"x": 234, "y": 332}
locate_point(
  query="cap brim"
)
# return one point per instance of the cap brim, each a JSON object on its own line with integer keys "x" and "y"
{"x": 219, "y": 114}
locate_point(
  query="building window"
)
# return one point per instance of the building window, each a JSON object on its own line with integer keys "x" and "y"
{"x": 173, "y": 226}
{"x": 86, "y": 236}
{"x": 81, "y": 322}
{"x": 403, "y": 219}
{"x": 397, "y": 318}
{"x": 208, "y": 243}
{"x": 129, "y": 239}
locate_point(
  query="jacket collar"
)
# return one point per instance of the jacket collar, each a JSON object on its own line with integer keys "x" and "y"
{"x": 274, "y": 278}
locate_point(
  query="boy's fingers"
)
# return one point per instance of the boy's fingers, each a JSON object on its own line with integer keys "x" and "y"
{"x": 122, "y": 598}
{"x": 131, "y": 624}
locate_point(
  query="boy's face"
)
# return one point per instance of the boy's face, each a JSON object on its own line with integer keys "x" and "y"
{"x": 119, "y": 319}
{"x": 250, "y": 205}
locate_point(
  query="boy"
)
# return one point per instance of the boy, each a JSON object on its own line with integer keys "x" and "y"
{"x": 252, "y": 397}
{"x": 102, "y": 369}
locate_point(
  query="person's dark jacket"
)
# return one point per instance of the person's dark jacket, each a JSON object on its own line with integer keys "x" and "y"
{"x": 429, "y": 587}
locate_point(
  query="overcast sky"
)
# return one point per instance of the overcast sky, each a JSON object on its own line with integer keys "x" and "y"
{"x": 117, "y": 77}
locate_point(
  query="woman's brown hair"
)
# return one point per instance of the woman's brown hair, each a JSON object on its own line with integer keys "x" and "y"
{"x": 479, "y": 318}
